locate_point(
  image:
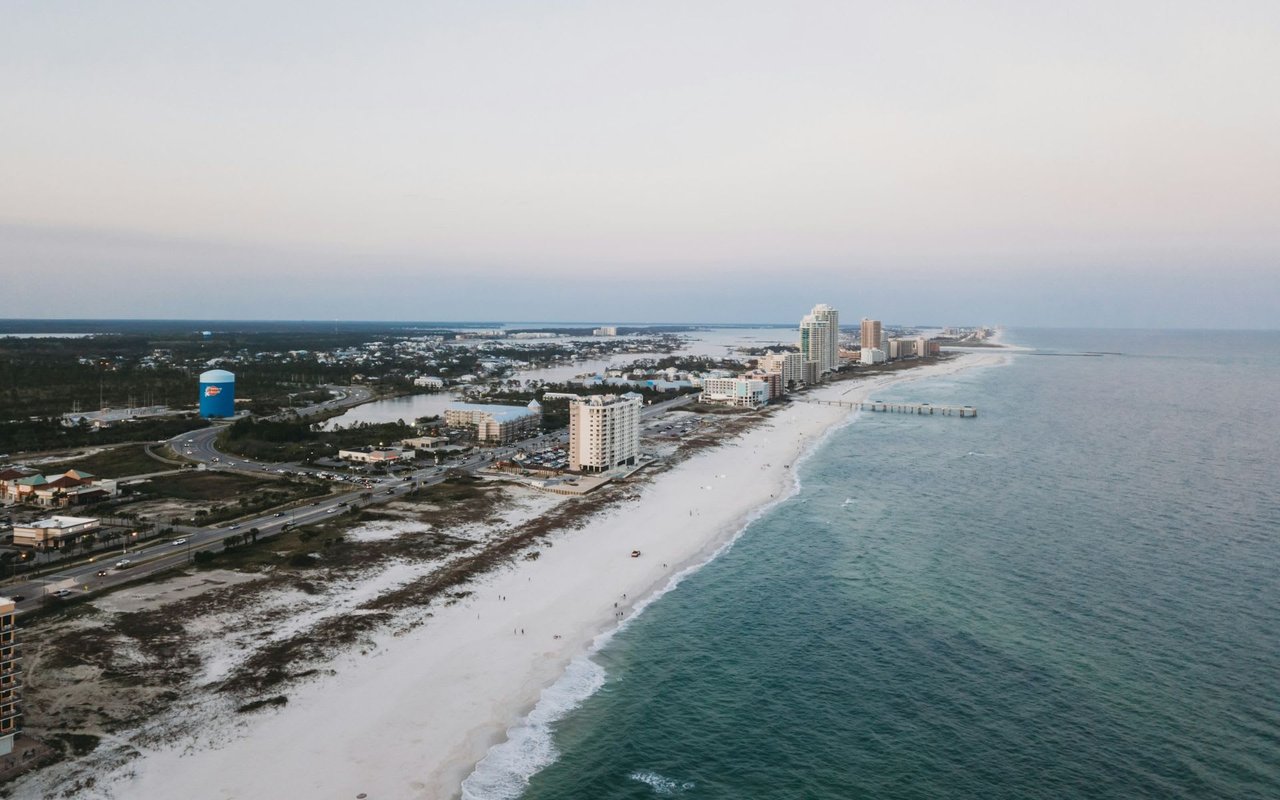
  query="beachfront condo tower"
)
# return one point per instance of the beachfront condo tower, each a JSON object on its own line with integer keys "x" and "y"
{"x": 10, "y": 675}
{"x": 820, "y": 337}
{"x": 870, "y": 333}
{"x": 604, "y": 431}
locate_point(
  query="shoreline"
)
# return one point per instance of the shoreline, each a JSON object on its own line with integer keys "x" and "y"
{"x": 470, "y": 694}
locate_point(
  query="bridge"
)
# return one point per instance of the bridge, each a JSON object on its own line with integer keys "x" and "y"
{"x": 899, "y": 408}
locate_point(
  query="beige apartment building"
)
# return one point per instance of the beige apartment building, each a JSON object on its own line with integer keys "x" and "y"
{"x": 496, "y": 424}
{"x": 789, "y": 366}
{"x": 10, "y": 680}
{"x": 604, "y": 431}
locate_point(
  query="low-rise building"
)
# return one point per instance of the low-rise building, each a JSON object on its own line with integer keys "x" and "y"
{"x": 427, "y": 443}
{"x": 73, "y": 487}
{"x": 604, "y": 431}
{"x": 745, "y": 392}
{"x": 377, "y": 455}
{"x": 54, "y": 533}
{"x": 496, "y": 424}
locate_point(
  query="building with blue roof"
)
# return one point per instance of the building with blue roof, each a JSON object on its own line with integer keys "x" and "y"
{"x": 496, "y": 424}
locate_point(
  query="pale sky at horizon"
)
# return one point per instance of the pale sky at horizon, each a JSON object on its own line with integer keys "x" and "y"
{"x": 1025, "y": 163}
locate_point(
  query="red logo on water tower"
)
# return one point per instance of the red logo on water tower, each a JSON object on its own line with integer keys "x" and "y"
{"x": 212, "y": 391}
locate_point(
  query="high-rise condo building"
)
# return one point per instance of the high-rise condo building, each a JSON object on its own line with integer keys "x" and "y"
{"x": 870, "y": 333}
{"x": 789, "y": 365}
{"x": 604, "y": 431}
{"x": 10, "y": 712}
{"x": 820, "y": 337}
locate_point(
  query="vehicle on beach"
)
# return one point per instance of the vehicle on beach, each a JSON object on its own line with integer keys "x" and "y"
{"x": 635, "y": 553}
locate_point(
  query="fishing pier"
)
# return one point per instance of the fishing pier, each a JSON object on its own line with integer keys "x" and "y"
{"x": 900, "y": 408}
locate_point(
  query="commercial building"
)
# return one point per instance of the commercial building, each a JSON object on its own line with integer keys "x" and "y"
{"x": 429, "y": 382}
{"x": 71, "y": 488}
{"x": 789, "y": 366}
{"x": 607, "y": 330}
{"x": 217, "y": 394}
{"x": 870, "y": 335}
{"x": 53, "y": 533}
{"x": 604, "y": 431}
{"x": 428, "y": 443}
{"x": 872, "y": 355}
{"x": 820, "y": 338}
{"x": 743, "y": 392}
{"x": 377, "y": 455}
{"x": 10, "y": 677}
{"x": 496, "y": 424}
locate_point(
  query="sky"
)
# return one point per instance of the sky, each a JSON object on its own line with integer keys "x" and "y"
{"x": 1111, "y": 164}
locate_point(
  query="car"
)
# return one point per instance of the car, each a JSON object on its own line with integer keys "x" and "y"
{"x": 331, "y": 510}
{"x": 122, "y": 563}
{"x": 62, "y": 593}
{"x": 101, "y": 572}
{"x": 17, "y": 598}
{"x": 178, "y": 541}
{"x": 233, "y": 527}
{"x": 278, "y": 514}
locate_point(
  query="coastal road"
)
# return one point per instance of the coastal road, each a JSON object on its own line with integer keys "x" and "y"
{"x": 130, "y": 564}
{"x": 176, "y": 551}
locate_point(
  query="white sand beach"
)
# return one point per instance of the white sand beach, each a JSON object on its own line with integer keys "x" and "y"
{"x": 412, "y": 717}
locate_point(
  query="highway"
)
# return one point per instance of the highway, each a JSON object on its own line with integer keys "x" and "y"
{"x": 105, "y": 571}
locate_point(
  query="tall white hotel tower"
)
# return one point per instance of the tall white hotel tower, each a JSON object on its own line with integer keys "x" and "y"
{"x": 820, "y": 337}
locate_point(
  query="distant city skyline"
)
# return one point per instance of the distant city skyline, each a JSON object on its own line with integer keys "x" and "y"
{"x": 1095, "y": 165}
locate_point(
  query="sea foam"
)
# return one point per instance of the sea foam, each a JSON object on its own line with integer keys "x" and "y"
{"x": 505, "y": 771}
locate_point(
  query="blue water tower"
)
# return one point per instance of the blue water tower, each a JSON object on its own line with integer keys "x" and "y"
{"x": 217, "y": 393}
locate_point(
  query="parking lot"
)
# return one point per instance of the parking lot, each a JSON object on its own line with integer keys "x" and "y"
{"x": 551, "y": 458}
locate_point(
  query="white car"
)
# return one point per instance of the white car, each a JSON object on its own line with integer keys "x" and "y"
{"x": 178, "y": 542}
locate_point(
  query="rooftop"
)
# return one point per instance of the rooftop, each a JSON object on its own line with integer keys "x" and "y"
{"x": 61, "y": 522}
{"x": 499, "y": 413}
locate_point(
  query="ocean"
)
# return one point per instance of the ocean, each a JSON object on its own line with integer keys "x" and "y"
{"x": 1075, "y": 595}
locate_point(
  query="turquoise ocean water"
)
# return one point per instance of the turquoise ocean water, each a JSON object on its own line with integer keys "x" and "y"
{"x": 1076, "y": 595}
